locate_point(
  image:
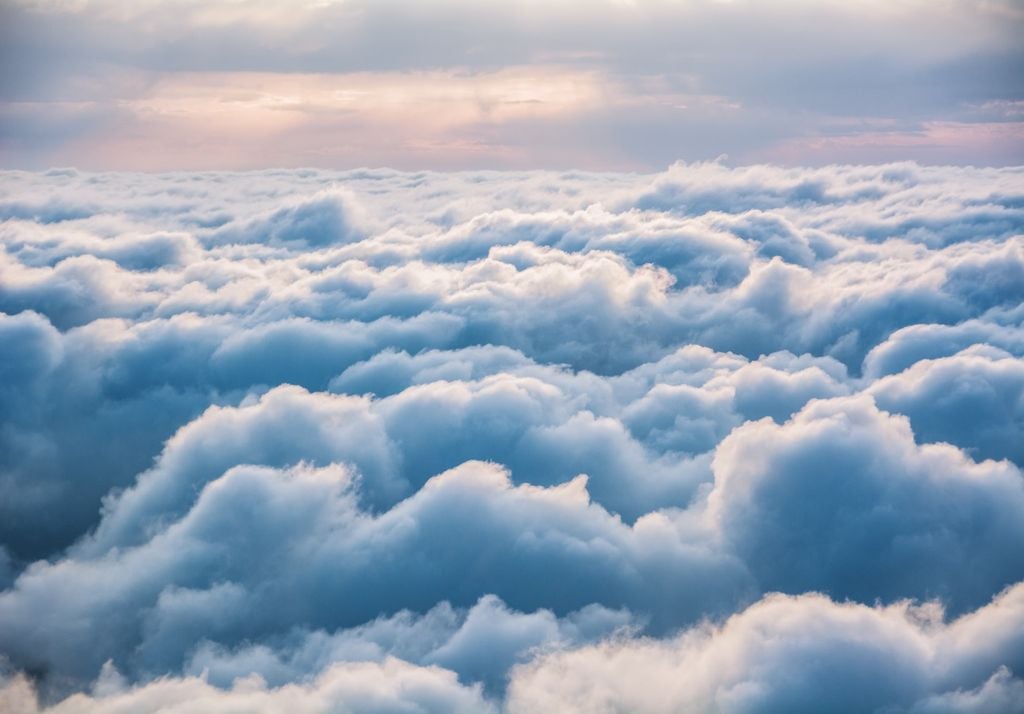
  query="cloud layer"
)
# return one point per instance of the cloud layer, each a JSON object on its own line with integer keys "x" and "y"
{"x": 729, "y": 440}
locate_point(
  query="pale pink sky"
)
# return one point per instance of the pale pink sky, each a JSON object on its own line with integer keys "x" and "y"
{"x": 452, "y": 84}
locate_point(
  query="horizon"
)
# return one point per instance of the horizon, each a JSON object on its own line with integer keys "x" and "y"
{"x": 722, "y": 162}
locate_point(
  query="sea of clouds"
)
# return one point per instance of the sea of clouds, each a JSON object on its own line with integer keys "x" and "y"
{"x": 715, "y": 439}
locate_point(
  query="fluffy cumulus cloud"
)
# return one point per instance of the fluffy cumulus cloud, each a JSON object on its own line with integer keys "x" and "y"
{"x": 795, "y": 654}
{"x": 727, "y": 440}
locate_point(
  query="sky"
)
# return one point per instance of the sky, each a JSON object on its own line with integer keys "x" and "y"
{"x": 630, "y": 356}
{"x": 629, "y": 85}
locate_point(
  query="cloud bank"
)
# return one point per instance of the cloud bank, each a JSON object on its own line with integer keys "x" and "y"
{"x": 729, "y": 440}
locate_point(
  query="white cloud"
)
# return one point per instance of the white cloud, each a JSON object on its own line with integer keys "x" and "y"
{"x": 390, "y": 687}
{"x": 788, "y": 654}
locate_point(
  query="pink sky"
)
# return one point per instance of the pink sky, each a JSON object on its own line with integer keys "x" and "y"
{"x": 452, "y": 84}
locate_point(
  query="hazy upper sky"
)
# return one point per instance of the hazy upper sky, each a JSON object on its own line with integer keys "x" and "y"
{"x": 608, "y": 84}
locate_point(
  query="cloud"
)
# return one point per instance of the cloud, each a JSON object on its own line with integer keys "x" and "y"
{"x": 972, "y": 399}
{"x": 478, "y": 439}
{"x": 783, "y": 653}
{"x": 390, "y": 686}
{"x": 227, "y": 570}
{"x": 64, "y": 397}
{"x": 914, "y": 343}
{"x": 176, "y": 571}
{"x": 791, "y": 653}
{"x": 840, "y": 499}
{"x": 480, "y": 644}
{"x": 328, "y": 218}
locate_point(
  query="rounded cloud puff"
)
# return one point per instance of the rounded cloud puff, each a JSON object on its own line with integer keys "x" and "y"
{"x": 327, "y": 218}
{"x": 840, "y": 499}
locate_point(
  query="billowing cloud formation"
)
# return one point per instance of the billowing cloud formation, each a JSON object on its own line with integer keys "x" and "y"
{"x": 502, "y": 441}
{"x": 840, "y": 499}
